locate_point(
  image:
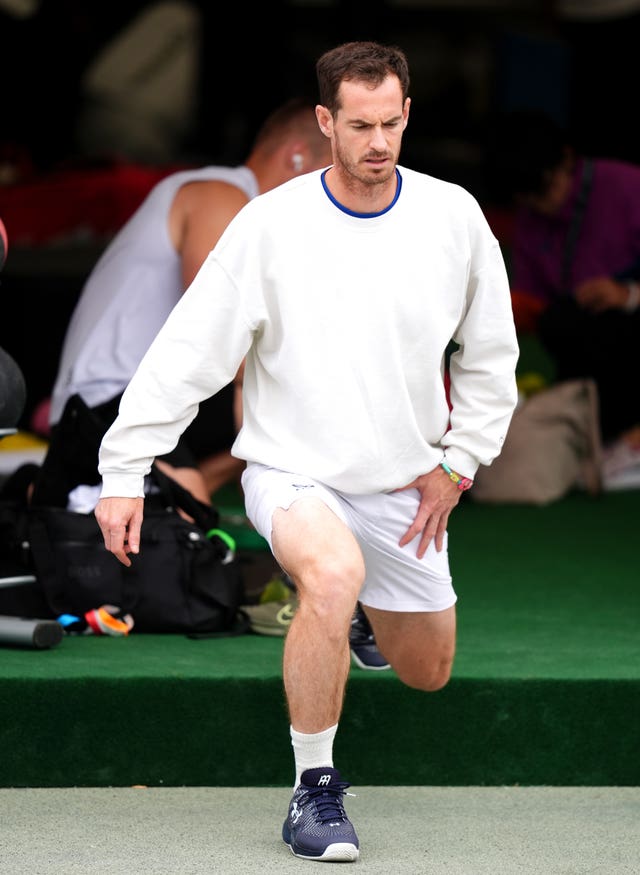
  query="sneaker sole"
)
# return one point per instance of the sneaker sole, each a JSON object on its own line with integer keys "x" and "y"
{"x": 361, "y": 664}
{"x": 343, "y": 852}
{"x": 271, "y": 625}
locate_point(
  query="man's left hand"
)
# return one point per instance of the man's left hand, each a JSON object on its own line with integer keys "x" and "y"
{"x": 438, "y": 496}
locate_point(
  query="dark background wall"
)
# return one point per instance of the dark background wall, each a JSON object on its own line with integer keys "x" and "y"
{"x": 469, "y": 59}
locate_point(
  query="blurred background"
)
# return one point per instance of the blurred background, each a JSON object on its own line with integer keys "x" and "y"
{"x": 99, "y": 100}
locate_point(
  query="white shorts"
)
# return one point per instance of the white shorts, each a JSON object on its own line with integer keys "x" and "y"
{"x": 395, "y": 579}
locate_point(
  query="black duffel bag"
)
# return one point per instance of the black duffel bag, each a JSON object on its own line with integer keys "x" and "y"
{"x": 185, "y": 579}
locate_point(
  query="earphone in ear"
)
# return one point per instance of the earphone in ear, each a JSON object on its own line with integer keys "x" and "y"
{"x": 297, "y": 160}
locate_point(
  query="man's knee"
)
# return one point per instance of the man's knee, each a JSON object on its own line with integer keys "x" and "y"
{"x": 428, "y": 677}
{"x": 329, "y": 586}
{"x": 319, "y": 553}
{"x": 420, "y": 647}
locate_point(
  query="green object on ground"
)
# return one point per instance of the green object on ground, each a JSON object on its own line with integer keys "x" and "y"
{"x": 276, "y": 590}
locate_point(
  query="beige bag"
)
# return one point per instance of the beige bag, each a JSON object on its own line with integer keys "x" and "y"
{"x": 552, "y": 447}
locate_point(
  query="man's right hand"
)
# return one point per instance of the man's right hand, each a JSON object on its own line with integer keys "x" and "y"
{"x": 120, "y": 520}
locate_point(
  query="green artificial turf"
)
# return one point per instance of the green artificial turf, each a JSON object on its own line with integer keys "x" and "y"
{"x": 545, "y": 686}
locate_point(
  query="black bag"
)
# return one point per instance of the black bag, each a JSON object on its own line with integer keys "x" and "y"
{"x": 186, "y": 578}
{"x": 181, "y": 581}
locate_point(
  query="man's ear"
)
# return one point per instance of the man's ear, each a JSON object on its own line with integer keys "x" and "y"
{"x": 405, "y": 112}
{"x": 325, "y": 120}
{"x": 297, "y": 157}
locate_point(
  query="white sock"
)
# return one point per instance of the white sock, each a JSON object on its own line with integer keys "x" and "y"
{"x": 312, "y": 750}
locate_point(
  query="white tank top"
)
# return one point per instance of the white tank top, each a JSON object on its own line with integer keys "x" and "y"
{"x": 128, "y": 295}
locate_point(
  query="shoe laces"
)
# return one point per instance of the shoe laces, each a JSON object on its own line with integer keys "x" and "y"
{"x": 327, "y": 801}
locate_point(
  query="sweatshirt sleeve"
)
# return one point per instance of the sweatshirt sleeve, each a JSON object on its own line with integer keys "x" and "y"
{"x": 196, "y": 353}
{"x": 483, "y": 390}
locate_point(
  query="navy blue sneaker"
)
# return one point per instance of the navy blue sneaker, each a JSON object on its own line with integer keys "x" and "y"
{"x": 317, "y": 827}
{"x": 364, "y": 650}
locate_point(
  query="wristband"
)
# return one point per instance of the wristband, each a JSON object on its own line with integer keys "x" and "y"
{"x": 634, "y": 297}
{"x": 463, "y": 483}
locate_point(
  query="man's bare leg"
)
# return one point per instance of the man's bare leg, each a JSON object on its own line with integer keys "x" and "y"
{"x": 420, "y": 646}
{"x": 322, "y": 557}
{"x": 325, "y": 563}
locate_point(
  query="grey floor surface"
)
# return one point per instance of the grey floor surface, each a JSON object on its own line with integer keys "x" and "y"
{"x": 413, "y": 830}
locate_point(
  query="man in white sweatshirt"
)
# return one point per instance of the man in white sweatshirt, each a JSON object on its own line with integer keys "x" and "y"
{"x": 343, "y": 289}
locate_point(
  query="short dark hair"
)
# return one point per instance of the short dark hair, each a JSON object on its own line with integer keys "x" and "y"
{"x": 294, "y": 118}
{"x": 522, "y": 146}
{"x": 283, "y": 118}
{"x": 360, "y": 61}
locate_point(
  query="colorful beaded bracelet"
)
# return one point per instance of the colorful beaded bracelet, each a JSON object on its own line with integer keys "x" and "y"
{"x": 463, "y": 483}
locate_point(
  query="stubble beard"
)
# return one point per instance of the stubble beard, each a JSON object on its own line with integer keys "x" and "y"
{"x": 360, "y": 173}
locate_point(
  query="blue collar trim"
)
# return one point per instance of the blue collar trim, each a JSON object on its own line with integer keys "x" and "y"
{"x": 362, "y": 215}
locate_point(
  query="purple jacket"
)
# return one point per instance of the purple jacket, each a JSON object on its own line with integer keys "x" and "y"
{"x": 609, "y": 239}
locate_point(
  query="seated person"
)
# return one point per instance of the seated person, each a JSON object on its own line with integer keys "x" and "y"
{"x": 575, "y": 260}
{"x": 145, "y": 269}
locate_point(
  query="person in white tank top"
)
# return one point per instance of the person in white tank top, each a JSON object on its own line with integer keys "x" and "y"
{"x": 143, "y": 272}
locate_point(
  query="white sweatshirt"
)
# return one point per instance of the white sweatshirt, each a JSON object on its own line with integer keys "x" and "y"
{"x": 345, "y": 321}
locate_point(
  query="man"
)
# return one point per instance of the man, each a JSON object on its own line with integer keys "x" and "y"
{"x": 575, "y": 256}
{"x": 343, "y": 289}
{"x": 143, "y": 272}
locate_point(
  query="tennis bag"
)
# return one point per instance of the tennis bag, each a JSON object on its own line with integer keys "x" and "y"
{"x": 186, "y": 578}
{"x": 553, "y": 446}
